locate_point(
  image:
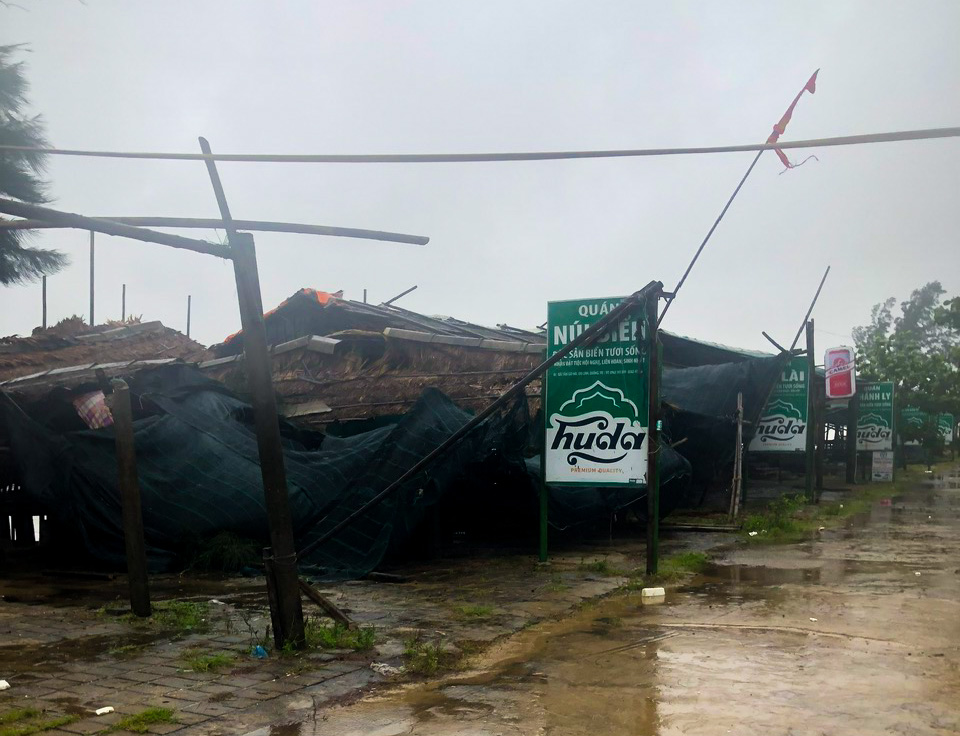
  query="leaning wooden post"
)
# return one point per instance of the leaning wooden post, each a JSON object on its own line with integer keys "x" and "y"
{"x": 264, "y": 402}
{"x": 44, "y": 282}
{"x": 288, "y": 611}
{"x": 130, "y": 499}
{"x": 653, "y": 435}
{"x": 189, "y": 299}
{"x": 810, "y": 467}
{"x": 853, "y": 409}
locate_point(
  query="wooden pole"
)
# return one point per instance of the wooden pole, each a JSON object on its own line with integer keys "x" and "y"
{"x": 821, "y": 435}
{"x": 809, "y": 468}
{"x": 544, "y": 494}
{"x": 255, "y": 225}
{"x": 264, "y": 402}
{"x": 44, "y": 287}
{"x": 735, "y": 484}
{"x": 130, "y": 499}
{"x": 189, "y": 298}
{"x": 123, "y": 303}
{"x": 853, "y": 409}
{"x": 653, "y": 436}
{"x": 364, "y": 296}
{"x": 816, "y": 296}
{"x": 70, "y": 219}
{"x": 92, "y": 318}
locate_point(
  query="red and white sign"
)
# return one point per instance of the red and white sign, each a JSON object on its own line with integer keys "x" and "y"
{"x": 839, "y": 365}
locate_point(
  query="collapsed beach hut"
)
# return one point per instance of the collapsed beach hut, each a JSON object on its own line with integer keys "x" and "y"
{"x": 385, "y": 386}
{"x": 53, "y": 375}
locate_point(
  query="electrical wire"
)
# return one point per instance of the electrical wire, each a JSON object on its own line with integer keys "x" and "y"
{"x": 428, "y": 158}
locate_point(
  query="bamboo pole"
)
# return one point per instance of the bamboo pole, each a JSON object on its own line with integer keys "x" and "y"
{"x": 70, "y": 219}
{"x": 255, "y": 225}
{"x": 810, "y": 446}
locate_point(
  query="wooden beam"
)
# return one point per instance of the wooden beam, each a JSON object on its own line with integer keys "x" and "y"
{"x": 254, "y": 225}
{"x": 108, "y": 227}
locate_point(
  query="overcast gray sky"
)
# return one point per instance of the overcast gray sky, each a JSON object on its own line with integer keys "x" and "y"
{"x": 419, "y": 77}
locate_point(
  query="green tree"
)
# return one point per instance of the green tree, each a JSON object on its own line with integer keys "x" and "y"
{"x": 919, "y": 351}
{"x": 21, "y": 173}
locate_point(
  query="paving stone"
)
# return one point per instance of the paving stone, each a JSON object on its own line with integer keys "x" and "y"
{"x": 238, "y": 703}
{"x": 210, "y": 709}
{"x": 174, "y": 683}
{"x": 191, "y": 695}
{"x": 86, "y": 725}
{"x": 187, "y": 718}
{"x": 217, "y": 689}
{"x": 280, "y": 686}
{"x": 140, "y": 676}
{"x": 162, "y": 728}
{"x": 257, "y": 693}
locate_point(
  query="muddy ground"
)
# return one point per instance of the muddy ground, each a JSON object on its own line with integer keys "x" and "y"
{"x": 855, "y": 631}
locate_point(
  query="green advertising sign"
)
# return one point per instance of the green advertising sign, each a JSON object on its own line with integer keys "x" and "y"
{"x": 946, "y": 423}
{"x": 596, "y": 399}
{"x": 912, "y": 421}
{"x": 783, "y": 422}
{"x": 875, "y": 418}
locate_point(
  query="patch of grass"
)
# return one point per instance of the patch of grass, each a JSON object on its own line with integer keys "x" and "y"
{"x": 26, "y": 721}
{"x": 127, "y": 650}
{"x": 141, "y": 722}
{"x": 602, "y": 567}
{"x": 181, "y": 615}
{"x": 473, "y": 610}
{"x": 779, "y": 522}
{"x": 337, "y": 636}
{"x": 200, "y": 662}
{"x": 426, "y": 658}
{"x": 227, "y": 552}
{"x": 670, "y": 570}
{"x": 686, "y": 562}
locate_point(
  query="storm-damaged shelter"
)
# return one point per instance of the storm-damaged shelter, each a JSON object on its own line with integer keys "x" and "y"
{"x": 54, "y": 373}
{"x": 386, "y": 386}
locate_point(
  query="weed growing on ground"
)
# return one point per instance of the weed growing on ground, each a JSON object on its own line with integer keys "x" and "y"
{"x": 426, "y": 658}
{"x": 473, "y": 610}
{"x": 26, "y": 721}
{"x": 337, "y": 636}
{"x": 127, "y": 650}
{"x": 556, "y": 585}
{"x": 670, "y": 570}
{"x": 200, "y": 662}
{"x": 141, "y": 722}
{"x": 602, "y": 567}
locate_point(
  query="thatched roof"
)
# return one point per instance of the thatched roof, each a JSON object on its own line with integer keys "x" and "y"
{"x": 64, "y": 356}
{"x": 361, "y": 375}
{"x": 313, "y": 312}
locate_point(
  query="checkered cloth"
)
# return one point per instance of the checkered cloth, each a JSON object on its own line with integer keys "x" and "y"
{"x": 93, "y": 410}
